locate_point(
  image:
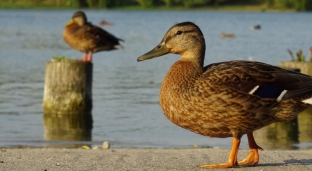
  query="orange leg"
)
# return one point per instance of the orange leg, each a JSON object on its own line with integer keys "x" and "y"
{"x": 90, "y": 57}
{"x": 253, "y": 158}
{"x": 232, "y": 161}
{"x": 85, "y": 57}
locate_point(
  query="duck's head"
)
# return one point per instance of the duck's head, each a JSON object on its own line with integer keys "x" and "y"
{"x": 79, "y": 18}
{"x": 184, "y": 38}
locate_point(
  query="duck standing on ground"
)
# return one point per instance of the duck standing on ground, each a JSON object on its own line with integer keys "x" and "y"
{"x": 87, "y": 38}
{"x": 226, "y": 99}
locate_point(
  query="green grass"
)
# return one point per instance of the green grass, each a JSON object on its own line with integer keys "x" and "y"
{"x": 15, "y": 5}
{"x": 18, "y": 4}
{"x": 63, "y": 59}
{"x": 50, "y": 5}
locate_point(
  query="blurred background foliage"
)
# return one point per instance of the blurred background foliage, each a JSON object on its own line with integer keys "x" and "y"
{"x": 296, "y": 5}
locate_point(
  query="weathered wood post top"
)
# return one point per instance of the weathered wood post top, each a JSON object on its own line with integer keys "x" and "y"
{"x": 68, "y": 87}
{"x": 304, "y": 67}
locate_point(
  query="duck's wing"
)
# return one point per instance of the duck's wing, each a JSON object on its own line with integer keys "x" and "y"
{"x": 99, "y": 38}
{"x": 255, "y": 78}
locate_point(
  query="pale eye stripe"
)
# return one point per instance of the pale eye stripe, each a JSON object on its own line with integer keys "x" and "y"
{"x": 281, "y": 95}
{"x": 253, "y": 90}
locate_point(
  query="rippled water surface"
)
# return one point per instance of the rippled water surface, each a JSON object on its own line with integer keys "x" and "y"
{"x": 125, "y": 93}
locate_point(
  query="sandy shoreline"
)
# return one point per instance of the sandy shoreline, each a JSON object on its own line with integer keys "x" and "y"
{"x": 49, "y": 159}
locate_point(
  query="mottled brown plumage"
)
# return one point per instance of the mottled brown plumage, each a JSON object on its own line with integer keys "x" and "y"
{"x": 227, "y": 99}
{"x": 87, "y": 38}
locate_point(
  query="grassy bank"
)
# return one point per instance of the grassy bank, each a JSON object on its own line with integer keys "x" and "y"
{"x": 22, "y": 4}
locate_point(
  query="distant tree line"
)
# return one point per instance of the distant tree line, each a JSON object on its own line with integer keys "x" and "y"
{"x": 299, "y": 5}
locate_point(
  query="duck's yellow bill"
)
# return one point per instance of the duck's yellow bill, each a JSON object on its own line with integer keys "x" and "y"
{"x": 70, "y": 22}
{"x": 159, "y": 50}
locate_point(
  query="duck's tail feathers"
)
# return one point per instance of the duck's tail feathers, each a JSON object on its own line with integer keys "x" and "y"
{"x": 308, "y": 101}
{"x": 118, "y": 47}
{"x": 305, "y": 94}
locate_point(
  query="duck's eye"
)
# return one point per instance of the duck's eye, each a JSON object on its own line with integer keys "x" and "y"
{"x": 179, "y": 32}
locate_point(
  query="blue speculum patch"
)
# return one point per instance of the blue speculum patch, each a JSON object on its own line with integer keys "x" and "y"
{"x": 267, "y": 91}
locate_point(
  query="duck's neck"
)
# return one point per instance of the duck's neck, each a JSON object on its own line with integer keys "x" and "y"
{"x": 195, "y": 57}
{"x": 182, "y": 75}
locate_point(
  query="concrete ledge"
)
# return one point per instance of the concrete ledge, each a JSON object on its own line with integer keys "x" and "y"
{"x": 146, "y": 159}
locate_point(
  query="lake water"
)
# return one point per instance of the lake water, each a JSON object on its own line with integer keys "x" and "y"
{"x": 125, "y": 93}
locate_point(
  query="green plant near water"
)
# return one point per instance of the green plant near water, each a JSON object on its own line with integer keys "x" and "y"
{"x": 63, "y": 59}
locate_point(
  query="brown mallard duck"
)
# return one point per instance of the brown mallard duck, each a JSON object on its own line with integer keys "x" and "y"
{"x": 105, "y": 23}
{"x": 87, "y": 38}
{"x": 226, "y": 99}
{"x": 255, "y": 27}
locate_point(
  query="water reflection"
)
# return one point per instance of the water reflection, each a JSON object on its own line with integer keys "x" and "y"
{"x": 68, "y": 127}
{"x": 286, "y": 135}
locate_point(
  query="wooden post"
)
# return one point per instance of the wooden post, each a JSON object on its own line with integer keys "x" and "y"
{"x": 304, "y": 67}
{"x": 278, "y": 135}
{"x": 68, "y": 87}
{"x": 304, "y": 124}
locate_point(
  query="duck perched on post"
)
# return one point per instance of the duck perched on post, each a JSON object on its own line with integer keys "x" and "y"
{"x": 87, "y": 38}
{"x": 226, "y": 99}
